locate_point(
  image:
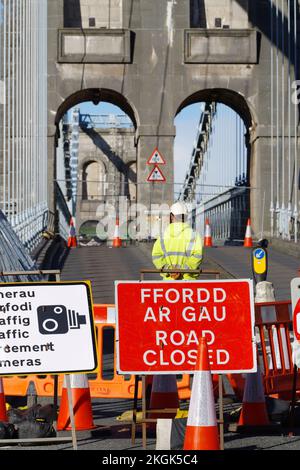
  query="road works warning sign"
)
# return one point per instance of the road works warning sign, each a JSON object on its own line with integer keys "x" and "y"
{"x": 156, "y": 175}
{"x": 46, "y": 328}
{"x": 159, "y": 325}
{"x": 156, "y": 158}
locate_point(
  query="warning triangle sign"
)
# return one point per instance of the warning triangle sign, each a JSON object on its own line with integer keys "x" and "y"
{"x": 156, "y": 158}
{"x": 156, "y": 175}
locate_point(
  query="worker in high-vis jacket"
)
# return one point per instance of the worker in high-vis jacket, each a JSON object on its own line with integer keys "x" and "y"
{"x": 179, "y": 246}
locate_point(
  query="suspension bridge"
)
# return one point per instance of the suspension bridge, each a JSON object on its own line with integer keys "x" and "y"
{"x": 91, "y": 98}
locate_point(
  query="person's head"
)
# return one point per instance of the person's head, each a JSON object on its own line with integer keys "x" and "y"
{"x": 178, "y": 212}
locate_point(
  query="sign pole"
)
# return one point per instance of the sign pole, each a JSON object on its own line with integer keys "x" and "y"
{"x": 221, "y": 412}
{"x": 71, "y": 411}
{"x": 55, "y": 384}
{"x": 144, "y": 412}
{"x": 135, "y": 399}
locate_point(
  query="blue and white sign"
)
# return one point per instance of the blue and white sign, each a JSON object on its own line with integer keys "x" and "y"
{"x": 259, "y": 253}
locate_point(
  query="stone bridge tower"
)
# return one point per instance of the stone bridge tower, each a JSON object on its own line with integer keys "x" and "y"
{"x": 153, "y": 58}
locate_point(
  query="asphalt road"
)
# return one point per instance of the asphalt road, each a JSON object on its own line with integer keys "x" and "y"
{"x": 102, "y": 266}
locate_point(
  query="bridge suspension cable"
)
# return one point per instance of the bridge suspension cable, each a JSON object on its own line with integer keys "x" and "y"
{"x": 23, "y": 116}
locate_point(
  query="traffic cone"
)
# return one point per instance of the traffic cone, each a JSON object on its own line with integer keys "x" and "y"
{"x": 82, "y": 405}
{"x": 248, "y": 236}
{"x": 3, "y": 415}
{"x": 207, "y": 234}
{"x": 72, "y": 240}
{"x": 117, "y": 242}
{"x": 202, "y": 430}
{"x": 164, "y": 394}
{"x": 254, "y": 410}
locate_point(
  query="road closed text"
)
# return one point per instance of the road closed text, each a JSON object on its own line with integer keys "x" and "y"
{"x": 160, "y": 325}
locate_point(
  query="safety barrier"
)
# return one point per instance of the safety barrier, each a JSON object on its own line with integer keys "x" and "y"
{"x": 274, "y": 326}
{"x": 105, "y": 383}
{"x": 274, "y": 333}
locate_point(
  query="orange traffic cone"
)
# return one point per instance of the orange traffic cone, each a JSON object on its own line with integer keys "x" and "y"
{"x": 117, "y": 242}
{"x": 248, "y": 235}
{"x": 202, "y": 430}
{"x": 3, "y": 415}
{"x": 254, "y": 410}
{"x": 207, "y": 234}
{"x": 164, "y": 394}
{"x": 82, "y": 405}
{"x": 72, "y": 240}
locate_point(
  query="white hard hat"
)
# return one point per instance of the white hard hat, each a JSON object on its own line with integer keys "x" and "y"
{"x": 179, "y": 208}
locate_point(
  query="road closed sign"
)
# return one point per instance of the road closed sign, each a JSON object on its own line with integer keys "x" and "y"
{"x": 159, "y": 325}
{"x": 46, "y": 328}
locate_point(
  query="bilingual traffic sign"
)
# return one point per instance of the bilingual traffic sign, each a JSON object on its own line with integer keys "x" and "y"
{"x": 156, "y": 175}
{"x": 159, "y": 325}
{"x": 46, "y": 328}
{"x": 156, "y": 158}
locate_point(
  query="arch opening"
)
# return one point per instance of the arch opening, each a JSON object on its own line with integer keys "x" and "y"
{"x": 96, "y": 155}
{"x": 216, "y": 180}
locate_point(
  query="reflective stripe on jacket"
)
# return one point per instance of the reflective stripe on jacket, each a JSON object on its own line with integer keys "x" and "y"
{"x": 180, "y": 247}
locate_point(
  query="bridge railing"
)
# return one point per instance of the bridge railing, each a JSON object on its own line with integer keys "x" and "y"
{"x": 228, "y": 213}
{"x": 30, "y": 224}
{"x": 63, "y": 212}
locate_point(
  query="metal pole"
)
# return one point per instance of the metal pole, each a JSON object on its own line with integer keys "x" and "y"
{"x": 283, "y": 116}
{"x": 4, "y": 104}
{"x": 272, "y": 120}
{"x": 289, "y": 121}
{"x": 9, "y": 113}
{"x": 71, "y": 411}
{"x": 296, "y": 127}
{"x": 18, "y": 113}
{"x": 13, "y": 110}
{"x": 277, "y": 119}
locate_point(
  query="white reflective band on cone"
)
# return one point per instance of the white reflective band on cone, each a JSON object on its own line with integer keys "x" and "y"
{"x": 77, "y": 381}
{"x": 164, "y": 383}
{"x": 207, "y": 231}
{"x": 254, "y": 390}
{"x": 202, "y": 407}
{"x": 111, "y": 315}
{"x": 248, "y": 232}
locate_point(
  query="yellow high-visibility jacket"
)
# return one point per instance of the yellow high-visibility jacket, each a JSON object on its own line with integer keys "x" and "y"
{"x": 179, "y": 247}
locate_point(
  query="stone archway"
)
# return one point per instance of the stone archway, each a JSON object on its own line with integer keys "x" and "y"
{"x": 234, "y": 208}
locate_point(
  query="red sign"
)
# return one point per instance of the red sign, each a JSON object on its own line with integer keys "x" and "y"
{"x": 159, "y": 325}
{"x": 296, "y": 321}
{"x": 156, "y": 175}
{"x": 156, "y": 158}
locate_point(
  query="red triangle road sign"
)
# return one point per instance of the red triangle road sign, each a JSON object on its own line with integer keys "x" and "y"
{"x": 156, "y": 158}
{"x": 156, "y": 175}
